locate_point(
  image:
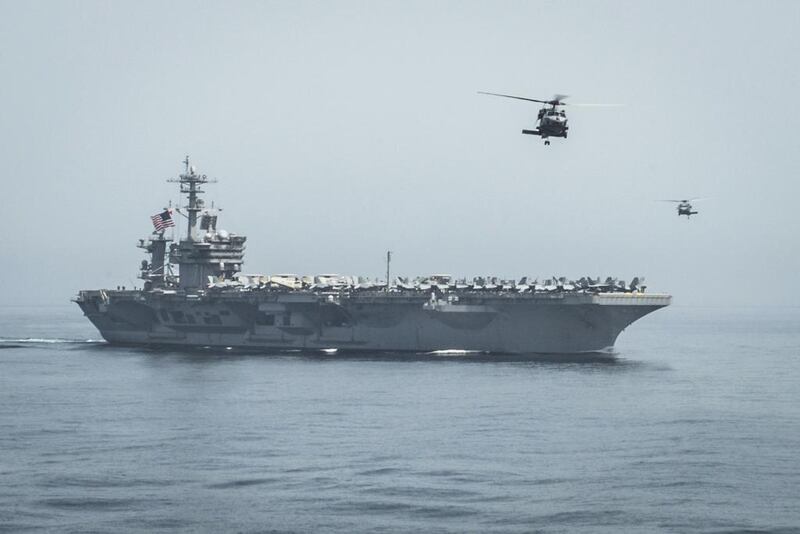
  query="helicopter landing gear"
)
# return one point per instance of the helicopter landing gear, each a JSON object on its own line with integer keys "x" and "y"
{"x": 546, "y": 142}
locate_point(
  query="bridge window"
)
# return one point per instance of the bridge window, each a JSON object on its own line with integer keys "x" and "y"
{"x": 212, "y": 319}
{"x": 265, "y": 319}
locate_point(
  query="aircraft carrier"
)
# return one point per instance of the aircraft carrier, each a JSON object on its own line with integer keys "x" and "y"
{"x": 194, "y": 294}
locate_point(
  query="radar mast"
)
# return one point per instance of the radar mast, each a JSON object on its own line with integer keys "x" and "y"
{"x": 191, "y": 182}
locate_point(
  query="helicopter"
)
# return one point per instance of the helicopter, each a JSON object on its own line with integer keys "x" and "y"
{"x": 551, "y": 121}
{"x": 685, "y": 206}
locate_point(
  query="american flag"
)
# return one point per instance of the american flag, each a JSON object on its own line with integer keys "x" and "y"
{"x": 162, "y": 220}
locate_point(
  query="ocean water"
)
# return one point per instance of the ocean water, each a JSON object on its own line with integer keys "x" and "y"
{"x": 693, "y": 427}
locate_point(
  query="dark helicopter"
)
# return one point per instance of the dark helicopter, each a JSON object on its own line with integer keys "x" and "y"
{"x": 685, "y": 206}
{"x": 551, "y": 121}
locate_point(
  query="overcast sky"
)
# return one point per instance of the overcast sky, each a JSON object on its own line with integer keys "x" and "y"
{"x": 339, "y": 130}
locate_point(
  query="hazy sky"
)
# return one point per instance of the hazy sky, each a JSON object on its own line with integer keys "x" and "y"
{"x": 339, "y": 130}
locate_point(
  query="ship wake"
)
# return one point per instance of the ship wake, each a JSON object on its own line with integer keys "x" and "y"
{"x": 24, "y": 341}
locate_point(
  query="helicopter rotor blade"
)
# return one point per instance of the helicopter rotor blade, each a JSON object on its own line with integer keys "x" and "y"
{"x": 683, "y": 200}
{"x": 516, "y": 97}
{"x": 558, "y": 100}
{"x": 584, "y": 105}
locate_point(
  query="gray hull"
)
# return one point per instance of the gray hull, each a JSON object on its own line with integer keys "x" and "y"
{"x": 560, "y": 323}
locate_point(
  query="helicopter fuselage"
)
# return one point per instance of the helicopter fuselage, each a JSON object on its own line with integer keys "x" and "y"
{"x": 686, "y": 209}
{"x": 551, "y": 122}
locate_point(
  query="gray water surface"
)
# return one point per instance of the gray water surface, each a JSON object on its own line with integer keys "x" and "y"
{"x": 694, "y": 427}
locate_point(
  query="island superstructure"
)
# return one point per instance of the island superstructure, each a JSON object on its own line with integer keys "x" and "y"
{"x": 195, "y": 295}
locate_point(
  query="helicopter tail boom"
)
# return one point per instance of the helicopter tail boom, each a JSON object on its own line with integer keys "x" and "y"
{"x": 532, "y": 132}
